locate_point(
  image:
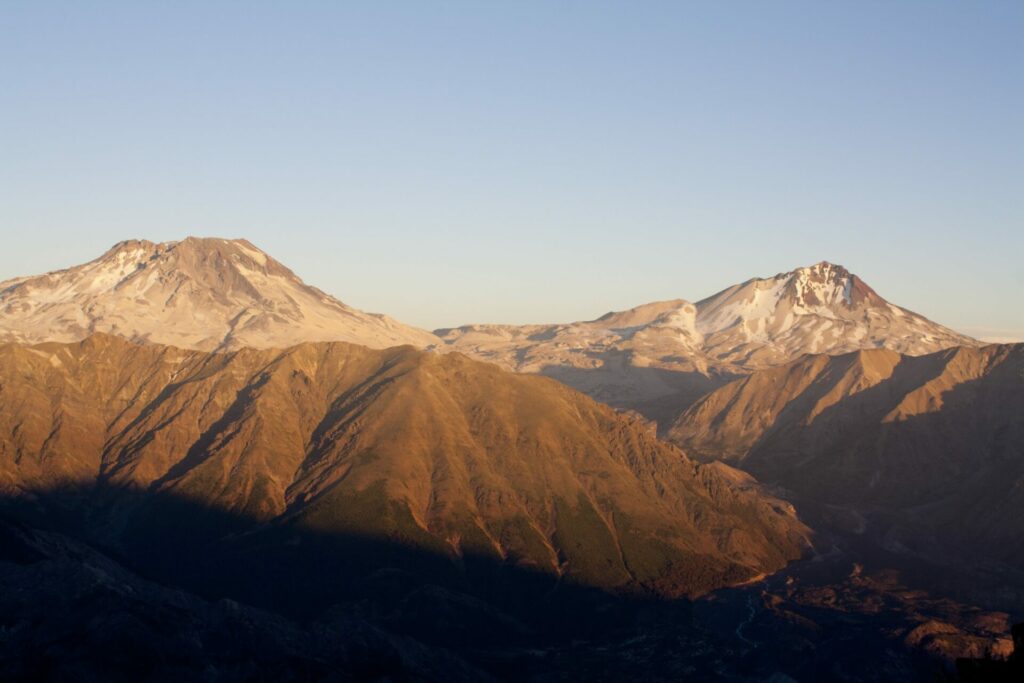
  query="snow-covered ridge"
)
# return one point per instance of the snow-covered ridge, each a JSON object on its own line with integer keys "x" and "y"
{"x": 823, "y": 308}
{"x": 206, "y": 293}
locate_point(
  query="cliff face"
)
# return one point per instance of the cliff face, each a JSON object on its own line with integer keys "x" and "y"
{"x": 435, "y": 452}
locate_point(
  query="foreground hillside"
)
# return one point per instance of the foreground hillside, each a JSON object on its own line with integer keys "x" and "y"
{"x": 436, "y": 453}
{"x": 73, "y": 614}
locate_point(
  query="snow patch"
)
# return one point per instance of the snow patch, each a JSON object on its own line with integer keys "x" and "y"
{"x": 255, "y": 254}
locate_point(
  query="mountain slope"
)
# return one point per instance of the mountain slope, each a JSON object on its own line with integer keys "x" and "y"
{"x": 660, "y": 357}
{"x": 197, "y": 293}
{"x": 936, "y": 441}
{"x": 437, "y": 452}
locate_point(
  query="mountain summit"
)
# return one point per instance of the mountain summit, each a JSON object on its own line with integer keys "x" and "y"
{"x": 680, "y": 350}
{"x": 822, "y": 308}
{"x": 202, "y": 293}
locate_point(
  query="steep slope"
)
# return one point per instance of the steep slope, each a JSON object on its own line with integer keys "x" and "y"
{"x": 197, "y": 293}
{"x": 660, "y": 357}
{"x": 436, "y": 452}
{"x": 934, "y": 442}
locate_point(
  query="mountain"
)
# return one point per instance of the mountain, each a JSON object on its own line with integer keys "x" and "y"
{"x": 434, "y": 452}
{"x": 200, "y": 293}
{"x": 926, "y": 451}
{"x": 215, "y": 294}
{"x": 659, "y": 357}
{"x": 820, "y": 309}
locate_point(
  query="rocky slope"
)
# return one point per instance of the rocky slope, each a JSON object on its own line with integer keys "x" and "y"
{"x": 440, "y": 453}
{"x": 196, "y": 293}
{"x": 930, "y": 448}
{"x": 659, "y": 357}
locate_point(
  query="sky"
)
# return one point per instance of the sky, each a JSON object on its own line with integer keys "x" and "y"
{"x": 457, "y": 162}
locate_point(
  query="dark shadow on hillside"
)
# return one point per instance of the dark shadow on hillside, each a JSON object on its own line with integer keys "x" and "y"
{"x": 348, "y": 601}
{"x": 70, "y": 613}
{"x": 442, "y": 600}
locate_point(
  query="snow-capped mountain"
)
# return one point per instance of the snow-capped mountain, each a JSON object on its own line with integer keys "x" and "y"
{"x": 680, "y": 350}
{"x": 226, "y": 294}
{"x": 200, "y": 293}
{"x": 819, "y": 309}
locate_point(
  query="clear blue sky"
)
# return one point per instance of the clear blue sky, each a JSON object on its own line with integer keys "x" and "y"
{"x": 456, "y": 162}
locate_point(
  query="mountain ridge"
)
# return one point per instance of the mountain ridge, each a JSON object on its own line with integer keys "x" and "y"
{"x": 442, "y": 451}
{"x": 929, "y": 446}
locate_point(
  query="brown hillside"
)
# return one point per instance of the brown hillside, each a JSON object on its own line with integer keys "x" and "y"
{"x": 936, "y": 439}
{"x": 438, "y": 452}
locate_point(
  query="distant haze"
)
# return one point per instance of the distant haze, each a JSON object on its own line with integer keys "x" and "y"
{"x": 530, "y": 162}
